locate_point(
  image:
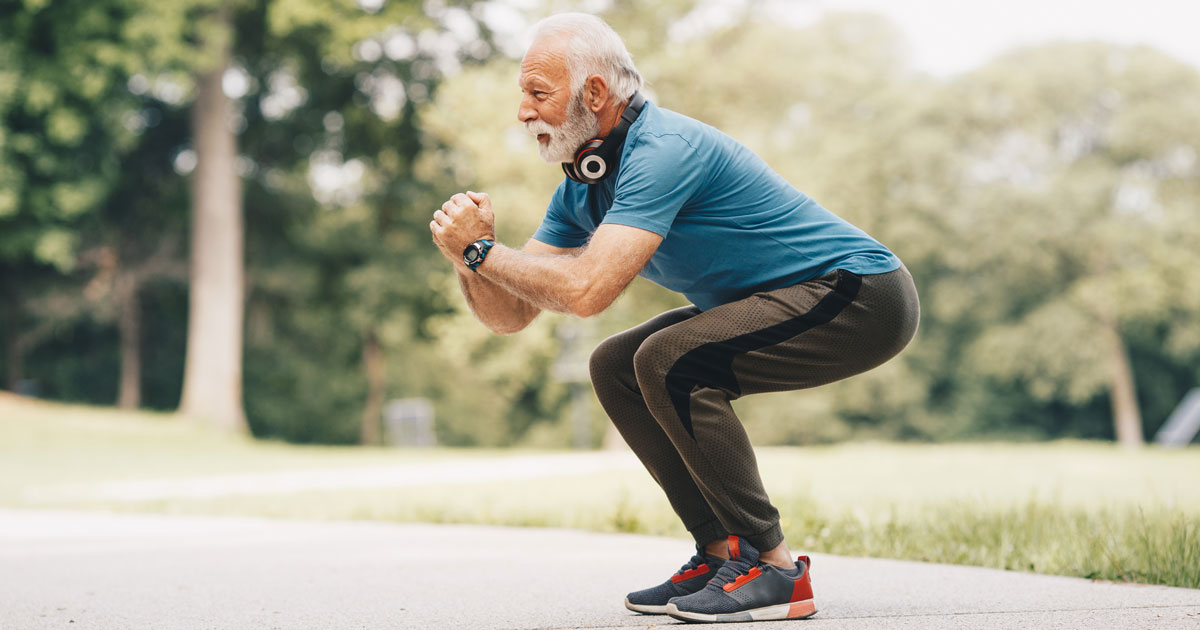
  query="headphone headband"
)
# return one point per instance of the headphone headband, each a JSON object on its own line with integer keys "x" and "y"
{"x": 598, "y": 158}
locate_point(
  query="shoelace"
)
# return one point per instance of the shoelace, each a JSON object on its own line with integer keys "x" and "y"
{"x": 730, "y": 571}
{"x": 692, "y": 564}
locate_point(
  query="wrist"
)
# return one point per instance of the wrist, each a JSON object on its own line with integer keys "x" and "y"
{"x": 476, "y": 253}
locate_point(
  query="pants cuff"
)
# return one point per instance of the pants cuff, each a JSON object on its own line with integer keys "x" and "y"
{"x": 768, "y": 539}
{"x": 708, "y": 531}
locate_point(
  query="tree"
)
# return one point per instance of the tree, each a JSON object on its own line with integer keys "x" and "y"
{"x": 297, "y": 71}
{"x": 134, "y": 245}
{"x": 340, "y": 268}
{"x": 63, "y": 105}
{"x": 212, "y": 385}
{"x": 1077, "y": 181}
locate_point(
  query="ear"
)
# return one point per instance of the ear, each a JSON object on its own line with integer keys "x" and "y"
{"x": 596, "y": 92}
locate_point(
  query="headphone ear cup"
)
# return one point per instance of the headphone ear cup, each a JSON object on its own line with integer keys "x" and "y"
{"x": 597, "y": 158}
{"x": 569, "y": 169}
{"x": 589, "y": 166}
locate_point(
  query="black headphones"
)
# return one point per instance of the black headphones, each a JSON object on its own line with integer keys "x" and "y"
{"x": 597, "y": 158}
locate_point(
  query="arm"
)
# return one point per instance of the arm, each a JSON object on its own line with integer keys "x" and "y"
{"x": 493, "y": 305}
{"x": 580, "y": 282}
{"x": 583, "y": 284}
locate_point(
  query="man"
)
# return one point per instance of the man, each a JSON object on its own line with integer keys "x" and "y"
{"x": 786, "y": 296}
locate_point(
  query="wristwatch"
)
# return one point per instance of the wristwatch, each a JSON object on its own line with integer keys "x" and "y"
{"x": 474, "y": 253}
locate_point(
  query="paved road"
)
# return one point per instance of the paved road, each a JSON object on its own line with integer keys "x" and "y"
{"x": 77, "y": 570}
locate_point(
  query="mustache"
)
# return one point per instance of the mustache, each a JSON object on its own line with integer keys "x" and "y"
{"x": 536, "y": 127}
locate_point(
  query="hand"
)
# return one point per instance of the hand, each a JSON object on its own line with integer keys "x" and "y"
{"x": 462, "y": 220}
{"x": 451, "y": 256}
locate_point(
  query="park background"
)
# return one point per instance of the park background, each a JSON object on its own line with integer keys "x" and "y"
{"x": 220, "y": 207}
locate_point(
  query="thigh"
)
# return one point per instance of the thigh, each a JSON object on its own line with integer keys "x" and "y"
{"x": 801, "y": 336}
{"x": 870, "y": 329}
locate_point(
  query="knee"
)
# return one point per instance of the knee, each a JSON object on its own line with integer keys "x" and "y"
{"x": 609, "y": 358}
{"x": 651, "y": 364}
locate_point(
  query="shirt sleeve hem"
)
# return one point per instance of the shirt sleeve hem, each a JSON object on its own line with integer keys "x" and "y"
{"x": 637, "y": 222}
{"x": 554, "y": 240}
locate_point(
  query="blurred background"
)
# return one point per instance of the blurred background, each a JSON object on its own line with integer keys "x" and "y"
{"x": 1036, "y": 168}
{"x": 218, "y": 292}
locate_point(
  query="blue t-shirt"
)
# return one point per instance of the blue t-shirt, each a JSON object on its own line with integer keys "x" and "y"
{"x": 731, "y": 226}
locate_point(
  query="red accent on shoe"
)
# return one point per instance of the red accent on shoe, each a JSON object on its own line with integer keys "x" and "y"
{"x": 734, "y": 552}
{"x": 802, "y": 587}
{"x": 801, "y": 610}
{"x": 690, "y": 573}
{"x": 741, "y": 580}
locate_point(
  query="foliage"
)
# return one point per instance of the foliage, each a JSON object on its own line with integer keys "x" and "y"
{"x": 64, "y": 111}
{"x": 1069, "y": 205}
{"x": 1041, "y": 201}
{"x": 326, "y": 114}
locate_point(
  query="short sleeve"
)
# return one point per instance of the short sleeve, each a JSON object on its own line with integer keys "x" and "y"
{"x": 660, "y": 178}
{"x": 557, "y": 228}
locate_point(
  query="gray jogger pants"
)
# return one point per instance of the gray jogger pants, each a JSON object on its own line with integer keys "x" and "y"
{"x": 667, "y": 385}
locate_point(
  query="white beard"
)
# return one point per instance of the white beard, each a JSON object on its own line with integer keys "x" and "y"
{"x": 579, "y": 127}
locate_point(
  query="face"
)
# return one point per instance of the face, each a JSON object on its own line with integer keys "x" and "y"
{"x": 559, "y": 119}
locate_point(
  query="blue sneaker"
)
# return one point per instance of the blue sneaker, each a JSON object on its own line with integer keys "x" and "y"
{"x": 690, "y": 578}
{"x": 745, "y": 589}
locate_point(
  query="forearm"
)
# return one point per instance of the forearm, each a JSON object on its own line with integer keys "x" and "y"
{"x": 580, "y": 281}
{"x": 493, "y": 305}
{"x": 549, "y": 282}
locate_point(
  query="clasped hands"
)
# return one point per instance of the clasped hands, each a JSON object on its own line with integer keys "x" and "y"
{"x": 462, "y": 220}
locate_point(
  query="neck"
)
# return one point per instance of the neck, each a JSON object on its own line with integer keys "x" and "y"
{"x": 609, "y": 117}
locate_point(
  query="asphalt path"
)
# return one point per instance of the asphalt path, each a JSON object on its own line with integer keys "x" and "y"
{"x": 78, "y": 570}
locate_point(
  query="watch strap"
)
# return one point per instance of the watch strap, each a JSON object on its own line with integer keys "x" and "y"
{"x": 482, "y": 246}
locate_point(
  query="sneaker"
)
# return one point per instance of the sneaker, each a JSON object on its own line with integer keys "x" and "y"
{"x": 745, "y": 589}
{"x": 690, "y": 578}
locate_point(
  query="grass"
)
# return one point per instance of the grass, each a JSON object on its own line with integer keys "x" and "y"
{"x": 46, "y": 443}
{"x": 1071, "y": 508}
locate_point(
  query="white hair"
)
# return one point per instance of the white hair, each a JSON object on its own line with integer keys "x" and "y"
{"x": 593, "y": 48}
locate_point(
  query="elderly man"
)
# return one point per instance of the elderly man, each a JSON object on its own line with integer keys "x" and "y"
{"x": 786, "y": 295}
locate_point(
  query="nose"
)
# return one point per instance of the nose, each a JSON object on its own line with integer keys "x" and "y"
{"x": 526, "y": 111}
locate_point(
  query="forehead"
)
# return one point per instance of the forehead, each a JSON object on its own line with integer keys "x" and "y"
{"x": 546, "y": 63}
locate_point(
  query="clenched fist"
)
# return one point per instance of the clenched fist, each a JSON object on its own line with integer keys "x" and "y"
{"x": 462, "y": 220}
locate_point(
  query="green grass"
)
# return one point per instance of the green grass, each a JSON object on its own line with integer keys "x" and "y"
{"x": 1071, "y": 508}
{"x": 47, "y": 443}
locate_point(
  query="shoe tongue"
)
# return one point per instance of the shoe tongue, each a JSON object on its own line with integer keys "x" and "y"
{"x": 741, "y": 549}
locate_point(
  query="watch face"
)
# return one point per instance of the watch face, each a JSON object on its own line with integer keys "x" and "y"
{"x": 472, "y": 254}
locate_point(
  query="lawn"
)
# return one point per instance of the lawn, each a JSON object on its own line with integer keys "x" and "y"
{"x": 1071, "y": 508}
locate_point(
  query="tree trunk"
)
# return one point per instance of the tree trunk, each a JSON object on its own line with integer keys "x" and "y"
{"x": 129, "y": 325}
{"x": 373, "y": 364}
{"x": 212, "y": 384}
{"x": 1127, "y": 418}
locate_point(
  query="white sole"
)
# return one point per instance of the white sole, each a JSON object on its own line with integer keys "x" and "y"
{"x": 645, "y": 609}
{"x": 793, "y": 610}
